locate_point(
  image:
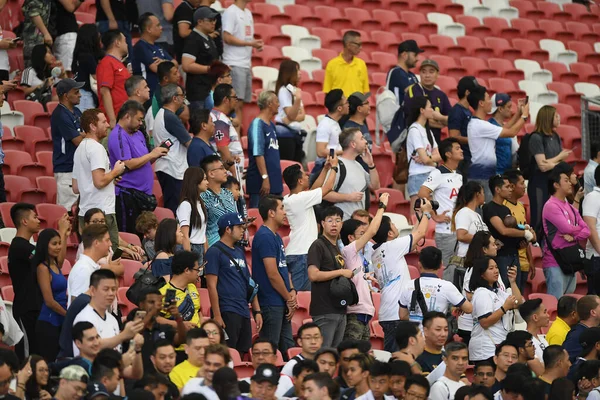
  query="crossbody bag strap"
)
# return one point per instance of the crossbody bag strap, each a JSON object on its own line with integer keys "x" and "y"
{"x": 228, "y": 254}
{"x": 418, "y": 298}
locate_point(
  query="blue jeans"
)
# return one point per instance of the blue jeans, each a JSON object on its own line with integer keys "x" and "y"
{"x": 389, "y": 335}
{"x": 299, "y": 270}
{"x": 87, "y": 100}
{"x": 125, "y": 28}
{"x": 506, "y": 261}
{"x": 558, "y": 282}
{"x": 277, "y": 328}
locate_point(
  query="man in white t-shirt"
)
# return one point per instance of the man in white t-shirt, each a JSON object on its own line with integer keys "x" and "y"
{"x": 238, "y": 42}
{"x": 482, "y": 137}
{"x": 328, "y": 130}
{"x": 299, "y": 208}
{"x": 103, "y": 290}
{"x": 456, "y": 359}
{"x": 353, "y": 182}
{"x": 391, "y": 270}
{"x": 535, "y": 314}
{"x": 436, "y": 294}
{"x": 92, "y": 177}
{"x": 591, "y": 216}
{"x": 96, "y": 244}
{"x": 443, "y": 185}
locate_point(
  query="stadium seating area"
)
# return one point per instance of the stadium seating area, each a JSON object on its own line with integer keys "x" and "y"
{"x": 547, "y": 50}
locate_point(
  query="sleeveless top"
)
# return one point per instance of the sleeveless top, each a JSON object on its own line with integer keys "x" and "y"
{"x": 59, "y": 292}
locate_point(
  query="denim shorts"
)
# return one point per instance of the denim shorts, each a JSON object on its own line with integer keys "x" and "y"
{"x": 415, "y": 182}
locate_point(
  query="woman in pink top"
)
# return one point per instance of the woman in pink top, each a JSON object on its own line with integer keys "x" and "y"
{"x": 355, "y": 235}
{"x": 563, "y": 225}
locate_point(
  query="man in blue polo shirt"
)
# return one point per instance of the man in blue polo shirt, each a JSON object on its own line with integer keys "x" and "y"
{"x": 276, "y": 294}
{"x": 429, "y": 72}
{"x": 227, "y": 278}
{"x": 203, "y": 129}
{"x": 148, "y": 54}
{"x": 264, "y": 169}
{"x": 400, "y": 77}
{"x": 66, "y": 136}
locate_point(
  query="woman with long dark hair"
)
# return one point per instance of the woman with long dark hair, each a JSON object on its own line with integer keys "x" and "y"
{"x": 168, "y": 236}
{"x": 37, "y": 387}
{"x": 291, "y": 111}
{"x": 86, "y": 55}
{"x": 482, "y": 245}
{"x": 37, "y": 80}
{"x": 421, "y": 146}
{"x": 492, "y": 308}
{"x": 465, "y": 219}
{"x": 191, "y": 212}
{"x": 48, "y": 260}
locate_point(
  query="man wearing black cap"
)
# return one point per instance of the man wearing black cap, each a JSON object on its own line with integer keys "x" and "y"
{"x": 264, "y": 382}
{"x": 429, "y": 72}
{"x": 66, "y": 136}
{"x": 400, "y": 77}
{"x": 458, "y": 120}
{"x": 199, "y": 51}
{"x": 346, "y": 71}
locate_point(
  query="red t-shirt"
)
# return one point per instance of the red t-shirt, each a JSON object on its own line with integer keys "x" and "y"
{"x": 112, "y": 73}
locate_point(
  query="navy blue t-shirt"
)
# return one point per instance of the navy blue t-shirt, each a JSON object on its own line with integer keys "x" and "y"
{"x": 267, "y": 244}
{"x": 399, "y": 80}
{"x": 458, "y": 119}
{"x": 571, "y": 343}
{"x": 143, "y": 56}
{"x": 65, "y": 126}
{"x": 232, "y": 285}
{"x": 262, "y": 141}
{"x": 197, "y": 151}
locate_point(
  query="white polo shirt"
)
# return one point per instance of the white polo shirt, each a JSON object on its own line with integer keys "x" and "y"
{"x": 79, "y": 277}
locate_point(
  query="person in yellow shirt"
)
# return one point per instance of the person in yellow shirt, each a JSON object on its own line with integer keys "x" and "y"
{"x": 182, "y": 291}
{"x": 196, "y": 343}
{"x": 567, "y": 317}
{"x": 517, "y": 209}
{"x": 346, "y": 71}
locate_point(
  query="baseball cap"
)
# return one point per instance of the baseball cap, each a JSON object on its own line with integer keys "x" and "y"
{"x": 96, "y": 390}
{"x": 65, "y": 85}
{"x": 409, "y": 45}
{"x": 230, "y": 219}
{"x": 266, "y": 373}
{"x": 430, "y": 63}
{"x": 204, "y": 13}
{"x": 588, "y": 339}
{"x": 357, "y": 99}
{"x": 74, "y": 373}
{"x": 468, "y": 82}
{"x": 499, "y": 100}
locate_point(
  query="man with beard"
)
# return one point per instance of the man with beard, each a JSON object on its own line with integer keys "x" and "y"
{"x": 400, "y": 77}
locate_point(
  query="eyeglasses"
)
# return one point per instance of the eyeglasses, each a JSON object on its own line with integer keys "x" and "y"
{"x": 333, "y": 221}
{"x": 226, "y": 76}
{"x": 234, "y": 97}
{"x": 262, "y": 354}
{"x": 212, "y": 333}
{"x": 182, "y": 95}
{"x": 311, "y": 338}
{"x": 216, "y": 169}
{"x": 416, "y": 396}
{"x": 98, "y": 221}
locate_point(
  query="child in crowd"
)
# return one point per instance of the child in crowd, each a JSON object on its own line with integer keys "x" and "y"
{"x": 146, "y": 224}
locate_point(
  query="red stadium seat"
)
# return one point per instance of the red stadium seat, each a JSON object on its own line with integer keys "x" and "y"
{"x": 324, "y": 55}
{"x": 506, "y": 69}
{"x": 580, "y": 13}
{"x": 582, "y": 32}
{"x": 47, "y": 184}
{"x": 570, "y": 117}
{"x": 386, "y": 60}
{"x": 131, "y": 238}
{"x": 586, "y": 72}
{"x": 21, "y": 189}
{"x": 5, "y": 214}
{"x": 391, "y": 22}
{"x": 12, "y": 143}
{"x": 526, "y": 9}
{"x": 293, "y": 352}
{"x": 51, "y": 106}
{"x": 30, "y": 110}
{"x": 4, "y": 273}
{"x": 162, "y": 213}
{"x": 387, "y": 40}
{"x": 473, "y": 26}
{"x": 501, "y": 28}
{"x": 49, "y": 214}
{"x": 417, "y": 22}
{"x": 555, "y": 30}
{"x": 549, "y": 301}
{"x": 447, "y": 46}
{"x": 531, "y": 50}
{"x": 566, "y": 93}
{"x": 450, "y": 8}
{"x": 449, "y": 67}
{"x": 45, "y": 158}
{"x": 130, "y": 267}
{"x": 503, "y": 48}
{"x": 585, "y": 51}
{"x": 204, "y": 302}
{"x": 422, "y": 41}
{"x": 8, "y": 294}
{"x": 553, "y": 11}
{"x": 560, "y": 72}
{"x": 538, "y": 283}
{"x": 475, "y": 47}
{"x": 157, "y": 190}
{"x": 363, "y": 18}
{"x": 327, "y": 35}
{"x": 332, "y": 17}
{"x": 35, "y": 138}
{"x": 14, "y": 159}
{"x": 528, "y": 28}
{"x": 302, "y": 15}
{"x": 477, "y": 67}
{"x": 570, "y": 135}
{"x": 501, "y": 85}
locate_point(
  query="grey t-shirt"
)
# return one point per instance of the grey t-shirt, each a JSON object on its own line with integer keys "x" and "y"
{"x": 550, "y": 146}
{"x": 155, "y": 7}
{"x": 356, "y": 180}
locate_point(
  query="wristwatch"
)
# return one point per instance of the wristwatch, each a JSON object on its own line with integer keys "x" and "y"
{"x": 428, "y": 215}
{"x": 382, "y": 205}
{"x": 265, "y": 176}
{"x": 335, "y": 169}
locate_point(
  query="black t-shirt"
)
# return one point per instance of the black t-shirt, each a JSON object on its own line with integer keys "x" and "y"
{"x": 118, "y": 8}
{"x": 184, "y": 14}
{"x": 65, "y": 21}
{"x": 324, "y": 255}
{"x": 86, "y": 66}
{"x": 23, "y": 275}
{"x": 429, "y": 361}
{"x": 197, "y": 86}
{"x": 151, "y": 336}
{"x": 511, "y": 245}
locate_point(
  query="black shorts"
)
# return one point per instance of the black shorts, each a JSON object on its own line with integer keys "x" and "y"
{"x": 239, "y": 330}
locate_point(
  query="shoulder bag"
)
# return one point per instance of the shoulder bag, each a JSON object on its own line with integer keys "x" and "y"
{"x": 252, "y": 286}
{"x": 144, "y": 281}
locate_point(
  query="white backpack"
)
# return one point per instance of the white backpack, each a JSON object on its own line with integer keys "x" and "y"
{"x": 386, "y": 105}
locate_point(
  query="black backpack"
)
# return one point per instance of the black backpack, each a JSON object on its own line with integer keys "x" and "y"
{"x": 525, "y": 157}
